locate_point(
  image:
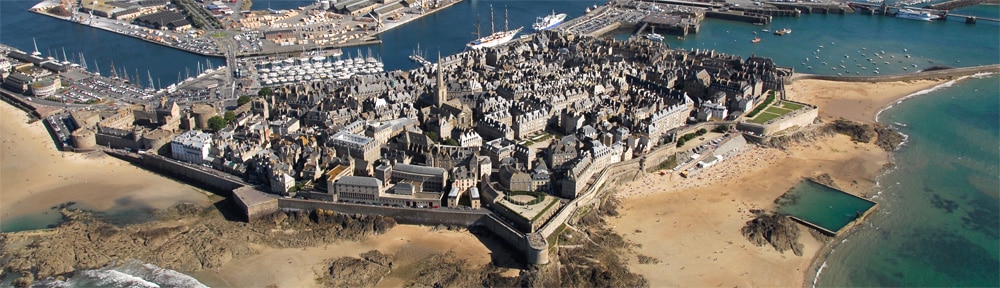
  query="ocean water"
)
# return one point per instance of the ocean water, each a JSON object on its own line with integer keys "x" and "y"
{"x": 990, "y": 11}
{"x": 131, "y": 273}
{"x": 939, "y": 220}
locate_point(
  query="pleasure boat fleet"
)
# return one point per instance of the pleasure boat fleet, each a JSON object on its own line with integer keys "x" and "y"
{"x": 305, "y": 69}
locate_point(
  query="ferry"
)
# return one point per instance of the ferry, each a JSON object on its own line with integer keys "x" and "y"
{"x": 783, "y": 32}
{"x": 654, "y": 37}
{"x": 916, "y": 15}
{"x": 495, "y": 39}
{"x": 548, "y": 22}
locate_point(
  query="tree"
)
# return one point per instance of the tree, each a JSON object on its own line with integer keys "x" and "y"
{"x": 216, "y": 123}
{"x": 721, "y": 129}
{"x": 264, "y": 92}
{"x": 243, "y": 100}
{"x": 230, "y": 117}
{"x": 451, "y": 141}
{"x": 433, "y": 135}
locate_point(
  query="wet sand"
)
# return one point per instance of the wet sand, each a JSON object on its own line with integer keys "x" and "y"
{"x": 290, "y": 267}
{"x": 35, "y": 176}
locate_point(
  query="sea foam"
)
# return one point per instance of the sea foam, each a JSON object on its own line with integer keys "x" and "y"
{"x": 132, "y": 273}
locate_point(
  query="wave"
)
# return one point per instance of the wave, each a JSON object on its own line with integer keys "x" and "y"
{"x": 935, "y": 88}
{"x": 132, "y": 273}
{"x": 818, "y": 271}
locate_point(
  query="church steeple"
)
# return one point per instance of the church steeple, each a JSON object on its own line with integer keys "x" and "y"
{"x": 442, "y": 90}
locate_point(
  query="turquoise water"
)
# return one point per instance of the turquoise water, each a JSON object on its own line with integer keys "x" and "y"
{"x": 991, "y": 11}
{"x": 125, "y": 211}
{"x": 45, "y": 219}
{"x": 821, "y": 205}
{"x": 939, "y": 217}
{"x": 851, "y": 40}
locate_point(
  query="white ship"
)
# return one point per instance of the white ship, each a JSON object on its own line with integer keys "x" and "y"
{"x": 916, "y": 15}
{"x": 548, "y": 22}
{"x": 496, "y": 37}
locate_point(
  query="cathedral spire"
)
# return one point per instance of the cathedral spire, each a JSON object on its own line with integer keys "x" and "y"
{"x": 442, "y": 90}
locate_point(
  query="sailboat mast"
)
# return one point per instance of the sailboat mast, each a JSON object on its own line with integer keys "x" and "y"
{"x": 150, "y": 77}
{"x": 505, "y": 28}
{"x": 479, "y": 21}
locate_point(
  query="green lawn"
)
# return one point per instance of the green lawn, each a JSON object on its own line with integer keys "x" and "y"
{"x": 792, "y": 106}
{"x": 776, "y": 110}
{"x": 764, "y": 117}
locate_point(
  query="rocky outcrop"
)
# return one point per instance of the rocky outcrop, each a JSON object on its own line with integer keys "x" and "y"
{"x": 824, "y": 179}
{"x": 773, "y": 229}
{"x": 366, "y": 271}
{"x": 194, "y": 239}
{"x": 591, "y": 254}
{"x": 888, "y": 139}
{"x": 883, "y": 135}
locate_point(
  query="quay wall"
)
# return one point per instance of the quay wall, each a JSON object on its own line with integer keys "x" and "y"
{"x": 749, "y": 18}
{"x": 416, "y": 216}
{"x": 923, "y": 75}
{"x": 25, "y": 106}
{"x": 133, "y": 36}
{"x": 955, "y": 4}
{"x": 403, "y": 215}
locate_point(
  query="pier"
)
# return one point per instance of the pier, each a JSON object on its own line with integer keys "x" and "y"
{"x": 256, "y": 33}
{"x": 941, "y": 10}
{"x": 955, "y": 4}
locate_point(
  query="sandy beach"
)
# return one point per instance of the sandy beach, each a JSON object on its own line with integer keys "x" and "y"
{"x": 692, "y": 226}
{"x": 35, "y": 176}
{"x": 290, "y": 267}
{"x": 858, "y": 101}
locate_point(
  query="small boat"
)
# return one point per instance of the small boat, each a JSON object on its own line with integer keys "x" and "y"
{"x": 755, "y": 40}
{"x": 783, "y": 32}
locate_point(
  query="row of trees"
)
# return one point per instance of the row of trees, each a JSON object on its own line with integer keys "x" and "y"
{"x": 689, "y": 136}
{"x": 200, "y": 18}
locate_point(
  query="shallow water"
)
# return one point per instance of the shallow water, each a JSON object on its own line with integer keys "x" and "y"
{"x": 938, "y": 220}
{"x": 821, "y": 205}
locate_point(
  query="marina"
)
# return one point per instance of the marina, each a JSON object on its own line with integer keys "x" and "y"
{"x": 316, "y": 68}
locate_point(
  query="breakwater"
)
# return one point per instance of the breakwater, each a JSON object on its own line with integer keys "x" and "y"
{"x": 955, "y": 4}
{"x": 922, "y": 75}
